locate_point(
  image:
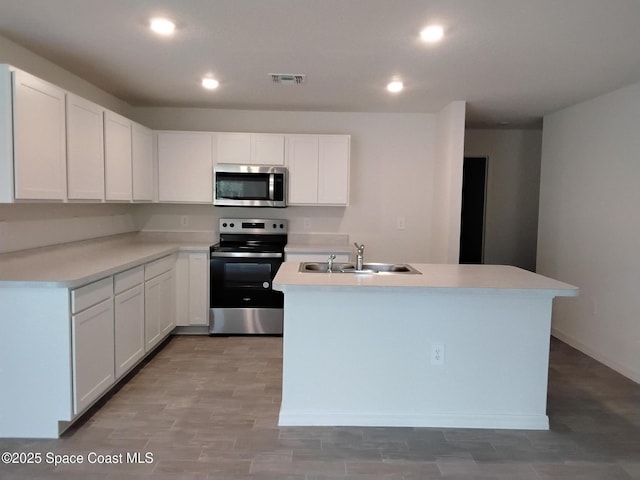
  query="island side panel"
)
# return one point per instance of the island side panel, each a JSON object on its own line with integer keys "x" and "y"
{"x": 360, "y": 356}
{"x": 35, "y": 361}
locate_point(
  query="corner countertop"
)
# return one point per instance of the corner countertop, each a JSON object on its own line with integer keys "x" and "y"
{"x": 434, "y": 277}
{"x": 78, "y": 263}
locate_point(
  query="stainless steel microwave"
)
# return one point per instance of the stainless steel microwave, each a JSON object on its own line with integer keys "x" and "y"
{"x": 249, "y": 186}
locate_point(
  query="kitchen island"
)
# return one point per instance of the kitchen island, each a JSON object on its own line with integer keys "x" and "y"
{"x": 456, "y": 346}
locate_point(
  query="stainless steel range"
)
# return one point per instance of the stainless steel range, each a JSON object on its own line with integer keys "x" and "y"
{"x": 242, "y": 266}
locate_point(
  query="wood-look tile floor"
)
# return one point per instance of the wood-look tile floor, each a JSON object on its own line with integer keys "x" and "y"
{"x": 207, "y": 409}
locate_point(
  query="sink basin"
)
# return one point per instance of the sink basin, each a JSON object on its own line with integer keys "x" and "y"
{"x": 323, "y": 267}
{"x": 376, "y": 268}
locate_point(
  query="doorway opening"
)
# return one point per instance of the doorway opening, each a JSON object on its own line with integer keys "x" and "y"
{"x": 472, "y": 222}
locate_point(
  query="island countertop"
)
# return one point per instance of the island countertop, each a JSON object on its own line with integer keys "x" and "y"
{"x": 474, "y": 278}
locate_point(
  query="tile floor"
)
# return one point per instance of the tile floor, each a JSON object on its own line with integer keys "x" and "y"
{"x": 207, "y": 409}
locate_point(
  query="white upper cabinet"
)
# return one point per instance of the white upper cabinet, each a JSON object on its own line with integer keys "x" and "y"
{"x": 250, "y": 148}
{"x": 38, "y": 139}
{"x": 233, "y": 148}
{"x": 117, "y": 157}
{"x": 185, "y": 167}
{"x": 267, "y": 149}
{"x": 302, "y": 151}
{"x": 318, "y": 169}
{"x": 142, "y": 162}
{"x": 333, "y": 170}
{"x": 85, "y": 149}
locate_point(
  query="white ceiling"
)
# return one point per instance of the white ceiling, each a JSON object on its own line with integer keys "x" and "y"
{"x": 512, "y": 60}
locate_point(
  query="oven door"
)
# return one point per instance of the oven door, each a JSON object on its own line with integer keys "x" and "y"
{"x": 244, "y": 280}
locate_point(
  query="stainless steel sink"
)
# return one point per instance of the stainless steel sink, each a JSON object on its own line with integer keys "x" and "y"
{"x": 323, "y": 267}
{"x": 377, "y": 268}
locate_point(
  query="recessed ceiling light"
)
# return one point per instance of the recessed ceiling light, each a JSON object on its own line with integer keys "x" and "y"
{"x": 432, "y": 33}
{"x": 210, "y": 83}
{"x": 162, "y": 26}
{"x": 395, "y": 86}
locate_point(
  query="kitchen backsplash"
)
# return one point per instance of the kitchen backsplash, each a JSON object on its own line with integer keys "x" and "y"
{"x": 27, "y": 226}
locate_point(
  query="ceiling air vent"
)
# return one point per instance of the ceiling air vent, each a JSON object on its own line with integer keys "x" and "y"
{"x": 287, "y": 78}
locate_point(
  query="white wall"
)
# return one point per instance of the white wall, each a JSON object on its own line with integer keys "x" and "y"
{"x": 589, "y": 227}
{"x": 513, "y": 186}
{"x": 392, "y": 161}
{"x": 26, "y": 226}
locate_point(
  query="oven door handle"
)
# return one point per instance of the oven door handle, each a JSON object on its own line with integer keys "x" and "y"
{"x": 246, "y": 255}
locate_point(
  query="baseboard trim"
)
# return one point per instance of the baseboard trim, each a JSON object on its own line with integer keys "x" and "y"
{"x": 518, "y": 422}
{"x": 630, "y": 373}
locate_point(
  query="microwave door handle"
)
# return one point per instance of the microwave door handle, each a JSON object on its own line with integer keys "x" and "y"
{"x": 272, "y": 186}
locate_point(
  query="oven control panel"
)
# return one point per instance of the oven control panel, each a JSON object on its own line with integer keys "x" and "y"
{"x": 260, "y": 226}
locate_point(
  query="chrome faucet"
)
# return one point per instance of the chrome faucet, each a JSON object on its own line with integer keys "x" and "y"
{"x": 360, "y": 256}
{"x": 330, "y": 260}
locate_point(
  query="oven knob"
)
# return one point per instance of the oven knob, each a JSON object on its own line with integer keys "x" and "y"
{"x": 224, "y": 224}
{"x": 265, "y": 284}
{"x": 282, "y": 225}
{"x": 275, "y": 226}
{"x": 232, "y": 225}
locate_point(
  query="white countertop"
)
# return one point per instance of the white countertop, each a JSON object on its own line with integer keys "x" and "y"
{"x": 472, "y": 278}
{"x": 73, "y": 264}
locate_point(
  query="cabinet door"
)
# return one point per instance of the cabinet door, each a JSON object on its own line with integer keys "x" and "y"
{"x": 168, "y": 298}
{"x": 152, "y": 312}
{"x": 198, "y": 289}
{"x": 333, "y": 170}
{"x": 233, "y": 148}
{"x": 185, "y": 167}
{"x": 302, "y": 163}
{"x": 117, "y": 157}
{"x": 85, "y": 149}
{"x": 267, "y": 149}
{"x": 93, "y": 353}
{"x": 39, "y": 139}
{"x": 129, "y": 329}
{"x": 142, "y": 163}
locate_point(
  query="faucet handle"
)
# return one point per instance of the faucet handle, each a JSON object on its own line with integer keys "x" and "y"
{"x": 360, "y": 248}
{"x": 332, "y": 257}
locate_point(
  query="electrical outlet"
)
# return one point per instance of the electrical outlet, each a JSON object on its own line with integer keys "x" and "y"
{"x": 437, "y": 354}
{"x": 307, "y": 223}
{"x": 184, "y": 220}
{"x": 400, "y": 223}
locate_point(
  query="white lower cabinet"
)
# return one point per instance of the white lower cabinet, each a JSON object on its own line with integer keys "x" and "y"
{"x": 93, "y": 353}
{"x": 192, "y": 278}
{"x": 129, "y": 319}
{"x": 159, "y": 300}
{"x": 129, "y": 329}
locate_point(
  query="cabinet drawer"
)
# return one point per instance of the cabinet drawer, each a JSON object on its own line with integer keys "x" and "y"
{"x": 128, "y": 279}
{"x": 157, "y": 267}
{"x": 92, "y": 294}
